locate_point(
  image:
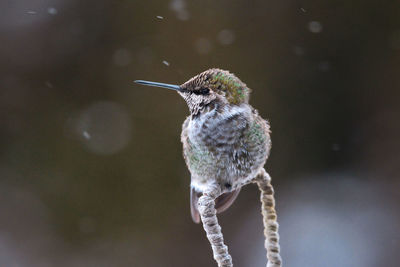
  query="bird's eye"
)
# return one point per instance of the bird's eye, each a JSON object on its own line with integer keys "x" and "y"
{"x": 202, "y": 91}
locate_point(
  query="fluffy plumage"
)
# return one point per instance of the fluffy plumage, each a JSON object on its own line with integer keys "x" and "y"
{"x": 225, "y": 141}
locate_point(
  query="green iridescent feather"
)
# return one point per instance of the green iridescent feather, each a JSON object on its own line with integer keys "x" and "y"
{"x": 230, "y": 86}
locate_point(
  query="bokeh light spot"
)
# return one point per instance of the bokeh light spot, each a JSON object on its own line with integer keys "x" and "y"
{"x": 122, "y": 57}
{"x": 315, "y": 26}
{"x": 104, "y": 127}
{"x": 203, "y": 46}
{"x": 226, "y": 37}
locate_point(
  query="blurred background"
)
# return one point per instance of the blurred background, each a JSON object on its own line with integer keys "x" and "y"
{"x": 91, "y": 166}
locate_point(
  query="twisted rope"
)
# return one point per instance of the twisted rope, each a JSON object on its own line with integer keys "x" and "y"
{"x": 208, "y": 215}
{"x": 271, "y": 226}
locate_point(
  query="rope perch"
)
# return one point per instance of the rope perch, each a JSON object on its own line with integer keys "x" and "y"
{"x": 208, "y": 215}
{"x": 271, "y": 225}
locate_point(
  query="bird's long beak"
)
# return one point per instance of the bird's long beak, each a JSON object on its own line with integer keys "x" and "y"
{"x": 163, "y": 85}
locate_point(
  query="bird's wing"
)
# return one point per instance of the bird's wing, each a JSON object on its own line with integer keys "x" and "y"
{"x": 222, "y": 203}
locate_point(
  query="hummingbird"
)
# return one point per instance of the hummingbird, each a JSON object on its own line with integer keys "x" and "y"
{"x": 225, "y": 141}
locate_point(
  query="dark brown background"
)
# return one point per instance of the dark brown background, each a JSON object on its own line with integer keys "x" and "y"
{"x": 91, "y": 172}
